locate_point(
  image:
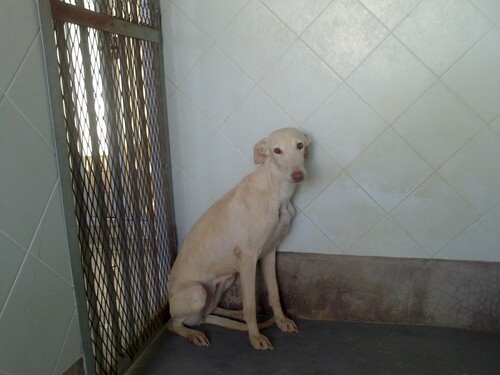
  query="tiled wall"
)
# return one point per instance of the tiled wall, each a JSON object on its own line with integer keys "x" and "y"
{"x": 401, "y": 98}
{"x": 39, "y": 331}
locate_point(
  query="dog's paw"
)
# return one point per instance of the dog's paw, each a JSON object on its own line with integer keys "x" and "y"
{"x": 198, "y": 338}
{"x": 260, "y": 342}
{"x": 286, "y": 325}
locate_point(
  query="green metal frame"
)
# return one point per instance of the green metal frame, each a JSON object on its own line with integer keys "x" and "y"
{"x": 46, "y": 12}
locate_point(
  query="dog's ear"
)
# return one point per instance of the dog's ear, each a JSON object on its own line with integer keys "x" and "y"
{"x": 307, "y": 142}
{"x": 260, "y": 153}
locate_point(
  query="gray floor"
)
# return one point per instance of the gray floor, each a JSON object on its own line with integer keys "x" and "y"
{"x": 328, "y": 348}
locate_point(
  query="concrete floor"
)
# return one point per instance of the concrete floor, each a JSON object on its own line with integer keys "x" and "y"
{"x": 328, "y": 348}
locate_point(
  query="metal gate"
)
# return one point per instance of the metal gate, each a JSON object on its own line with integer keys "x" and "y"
{"x": 108, "y": 54}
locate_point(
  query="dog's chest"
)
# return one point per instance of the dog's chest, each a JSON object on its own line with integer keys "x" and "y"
{"x": 285, "y": 215}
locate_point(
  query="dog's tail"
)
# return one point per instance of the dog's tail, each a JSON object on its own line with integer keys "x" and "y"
{"x": 233, "y": 324}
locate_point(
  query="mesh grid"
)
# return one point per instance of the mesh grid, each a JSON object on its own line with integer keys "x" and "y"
{"x": 114, "y": 121}
{"x": 141, "y": 12}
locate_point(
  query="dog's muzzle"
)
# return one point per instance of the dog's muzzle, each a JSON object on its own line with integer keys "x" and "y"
{"x": 297, "y": 176}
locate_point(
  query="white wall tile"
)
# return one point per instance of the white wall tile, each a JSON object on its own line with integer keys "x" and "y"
{"x": 223, "y": 156}
{"x": 321, "y": 171}
{"x": 216, "y": 86}
{"x": 474, "y": 171}
{"x": 50, "y": 244}
{"x": 190, "y": 202}
{"x": 490, "y": 8}
{"x": 476, "y": 77}
{"x": 305, "y": 237}
{"x": 388, "y": 238}
{"x": 440, "y": 31}
{"x": 297, "y": 14}
{"x": 164, "y": 4}
{"x": 183, "y": 119}
{"x": 493, "y": 217}
{"x": 71, "y": 350}
{"x": 212, "y": 16}
{"x": 479, "y": 242}
{"x": 35, "y": 320}
{"x": 434, "y": 214}
{"x": 495, "y": 124}
{"x": 18, "y": 28}
{"x": 344, "y": 212}
{"x": 344, "y": 126}
{"x": 389, "y": 170}
{"x": 255, "y": 39}
{"x": 438, "y": 125}
{"x": 32, "y": 79}
{"x": 37, "y": 313}
{"x": 279, "y": 63}
{"x": 184, "y": 44}
{"x": 391, "y": 12}
{"x": 391, "y": 79}
{"x": 299, "y": 82}
{"x": 11, "y": 257}
{"x": 195, "y": 139}
{"x": 170, "y": 88}
{"x": 344, "y": 34}
{"x": 254, "y": 119}
{"x": 29, "y": 173}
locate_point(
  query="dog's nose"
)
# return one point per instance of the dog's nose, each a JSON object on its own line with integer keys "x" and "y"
{"x": 297, "y": 176}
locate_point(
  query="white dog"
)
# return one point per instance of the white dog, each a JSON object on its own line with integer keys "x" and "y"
{"x": 244, "y": 226}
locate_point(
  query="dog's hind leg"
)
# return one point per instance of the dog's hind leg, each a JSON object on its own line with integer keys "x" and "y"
{"x": 186, "y": 308}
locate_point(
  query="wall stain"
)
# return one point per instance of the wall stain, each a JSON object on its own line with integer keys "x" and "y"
{"x": 388, "y": 290}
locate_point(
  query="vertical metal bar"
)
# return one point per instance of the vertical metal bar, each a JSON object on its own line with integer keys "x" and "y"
{"x": 160, "y": 222}
{"x": 132, "y": 159}
{"x": 159, "y": 66}
{"x": 99, "y": 184}
{"x": 55, "y": 94}
{"x": 114, "y": 152}
{"x": 146, "y": 164}
{"x": 81, "y": 190}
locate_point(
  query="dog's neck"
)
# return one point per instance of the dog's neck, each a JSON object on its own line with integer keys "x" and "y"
{"x": 278, "y": 182}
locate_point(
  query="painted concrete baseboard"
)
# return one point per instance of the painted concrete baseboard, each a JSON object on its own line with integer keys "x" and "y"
{"x": 391, "y": 290}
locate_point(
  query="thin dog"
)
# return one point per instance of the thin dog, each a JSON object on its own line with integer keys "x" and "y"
{"x": 244, "y": 226}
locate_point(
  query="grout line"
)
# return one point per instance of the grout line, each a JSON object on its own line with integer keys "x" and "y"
{"x": 24, "y": 56}
{"x": 321, "y": 102}
{"x": 335, "y": 246}
{"x": 63, "y": 343}
{"x": 490, "y": 222}
{"x": 182, "y": 79}
{"x": 9, "y": 295}
{"x": 13, "y": 241}
{"x": 391, "y": 32}
{"x": 466, "y": 52}
{"x": 288, "y": 27}
{"x": 441, "y": 167}
{"x": 483, "y": 13}
{"x": 31, "y": 125}
{"x": 27, "y": 254}
{"x": 55, "y": 190}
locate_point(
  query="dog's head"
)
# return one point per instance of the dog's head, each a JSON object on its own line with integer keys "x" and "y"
{"x": 286, "y": 148}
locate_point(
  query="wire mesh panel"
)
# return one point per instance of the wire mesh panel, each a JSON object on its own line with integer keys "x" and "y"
{"x": 114, "y": 123}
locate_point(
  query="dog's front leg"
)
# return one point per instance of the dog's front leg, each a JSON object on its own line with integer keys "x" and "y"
{"x": 268, "y": 263}
{"x": 248, "y": 267}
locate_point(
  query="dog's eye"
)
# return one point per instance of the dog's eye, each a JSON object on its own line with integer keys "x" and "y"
{"x": 300, "y": 145}
{"x": 277, "y": 150}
